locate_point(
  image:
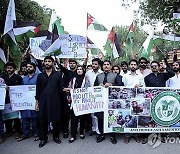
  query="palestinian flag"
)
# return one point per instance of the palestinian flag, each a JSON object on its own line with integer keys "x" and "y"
{"x": 24, "y": 30}
{"x": 112, "y": 45}
{"x": 93, "y": 24}
{"x": 128, "y": 42}
{"x": 2, "y": 55}
{"x": 8, "y": 35}
{"x": 94, "y": 50}
{"x": 55, "y": 26}
{"x": 54, "y": 49}
{"x": 176, "y": 17}
{"x": 147, "y": 45}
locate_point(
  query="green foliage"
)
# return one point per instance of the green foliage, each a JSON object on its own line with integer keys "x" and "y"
{"x": 138, "y": 39}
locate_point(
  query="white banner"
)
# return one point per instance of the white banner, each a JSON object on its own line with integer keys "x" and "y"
{"x": 22, "y": 97}
{"x": 34, "y": 43}
{"x": 88, "y": 100}
{"x": 2, "y": 96}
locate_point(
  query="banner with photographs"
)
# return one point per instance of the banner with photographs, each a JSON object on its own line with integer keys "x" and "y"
{"x": 88, "y": 100}
{"x": 2, "y": 96}
{"x": 142, "y": 110}
{"x": 22, "y": 97}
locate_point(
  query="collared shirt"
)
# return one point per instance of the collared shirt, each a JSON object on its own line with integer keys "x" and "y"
{"x": 30, "y": 80}
{"x": 90, "y": 77}
{"x": 131, "y": 80}
{"x": 122, "y": 73}
{"x": 160, "y": 80}
{"x": 144, "y": 72}
{"x": 174, "y": 82}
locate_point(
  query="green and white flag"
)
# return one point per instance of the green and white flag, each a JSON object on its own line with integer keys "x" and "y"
{"x": 9, "y": 37}
{"x": 93, "y": 24}
{"x": 55, "y": 24}
{"x": 176, "y": 17}
{"x": 147, "y": 45}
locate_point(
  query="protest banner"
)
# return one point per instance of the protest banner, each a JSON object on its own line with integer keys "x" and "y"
{"x": 142, "y": 110}
{"x": 88, "y": 100}
{"x": 34, "y": 44}
{"x": 72, "y": 46}
{"x": 2, "y": 96}
{"x": 8, "y": 113}
{"x": 22, "y": 97}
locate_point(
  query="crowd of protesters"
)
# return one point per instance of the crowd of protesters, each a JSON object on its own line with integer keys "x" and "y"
{"x": 53, "y": 82}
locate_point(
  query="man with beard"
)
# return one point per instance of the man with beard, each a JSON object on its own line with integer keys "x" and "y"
{"x": 157, "y": 79}
{"x": 124, "y": 67}
{"x": 143, "y": 67}
{"x": 133, "y": 80}
{"x": 48, "y": 91}
{"x": 174, "y": 81}
{"x": 90, "y": 77}
{"x": 105, "y": 79}
{"x": 11, "y": 79}
{"x": 29, "y": 115}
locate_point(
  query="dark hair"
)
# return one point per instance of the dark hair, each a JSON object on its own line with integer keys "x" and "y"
{"x": 143, "y": 58}
{"x": 49, "y": 57}
{"x": 98, "y": 60}
{"x": 82, "y": 68}
{"x": 10, "y": 64}
{"x": 89, "y": 66}
{"x": 176, "y": 62}
{"x": 155, "y": 62}
{"x": 133, "y": 60}
{"x": 124, "y": 63}
{"x": 117, "y": 67}
{"x": 33, "y": 64}
{"x": 107, "y": 61}
{"x": 23, "y": 64}
{"x": 72, "y": 60}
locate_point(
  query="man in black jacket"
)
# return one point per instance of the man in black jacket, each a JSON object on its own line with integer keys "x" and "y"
{"x": 48, "y": 91}
{"x": 11, "y": 79}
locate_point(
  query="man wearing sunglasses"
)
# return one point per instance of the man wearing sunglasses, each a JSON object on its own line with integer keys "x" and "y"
{"x": 143, "y": 62}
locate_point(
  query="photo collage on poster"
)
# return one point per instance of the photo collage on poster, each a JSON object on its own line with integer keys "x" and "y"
{"x": 130, "y": 107}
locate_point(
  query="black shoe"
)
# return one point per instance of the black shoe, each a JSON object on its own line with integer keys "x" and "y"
{"x": 113, "y": 140}
{"x": 100, "y": 138}
{"x": 72, "y": 139}
{"x": 57, "y": 140}
{"x": 42, "y": 143}
{"x": 92, "y": 133}
{"x": 66, "y": 135}
{"x": 22, "y": 138}
{"x": 9, "y": 134}
{"x": 82, "y": 136}
{"x": 144, "y": 140}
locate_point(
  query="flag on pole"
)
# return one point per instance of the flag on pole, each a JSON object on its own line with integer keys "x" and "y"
{"x": 128, "y": 42}
{"x": 147, "y": 45}
{"x": 93, "y": 24}
{"x": 94, "y": 50}
{"x": 112, "y": 45}
{"x": 9, "y": 37}
{"x": 24, "y": 30}
{"x": 2, "y": 55}
{"x": 55, "y": 25}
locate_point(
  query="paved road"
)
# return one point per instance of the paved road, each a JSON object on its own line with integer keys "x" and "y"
{"x": 86, "y": 146}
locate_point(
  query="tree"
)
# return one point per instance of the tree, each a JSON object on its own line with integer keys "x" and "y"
{"x": 158, "y": 10}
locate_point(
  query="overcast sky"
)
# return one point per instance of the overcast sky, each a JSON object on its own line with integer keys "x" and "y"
{"x": 74, "y": 13}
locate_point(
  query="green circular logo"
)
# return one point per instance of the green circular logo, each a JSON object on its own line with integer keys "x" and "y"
{"x": 165, "y": 108}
